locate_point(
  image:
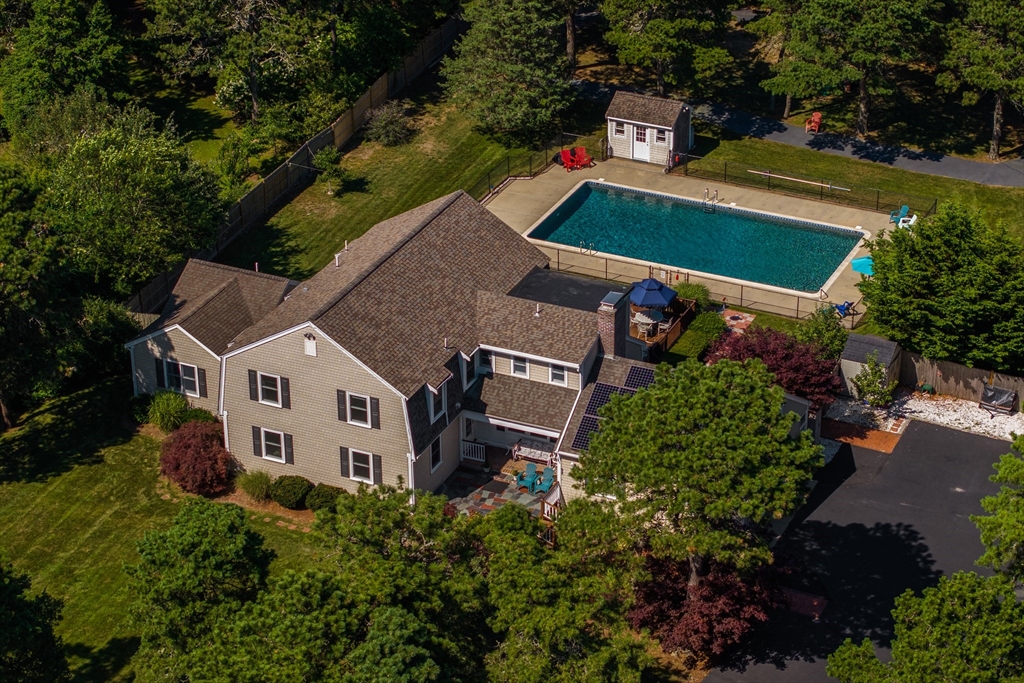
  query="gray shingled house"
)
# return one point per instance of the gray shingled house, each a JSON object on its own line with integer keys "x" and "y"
{"x": 651, "y": 129}
{"x": 411, "y": 351}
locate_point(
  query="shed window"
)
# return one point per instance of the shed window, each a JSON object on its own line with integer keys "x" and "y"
{"x": 620, "y": 129}
{"x": 660, "y": 136}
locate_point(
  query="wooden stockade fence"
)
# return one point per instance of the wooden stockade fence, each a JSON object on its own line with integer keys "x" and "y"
{"x": 252, "y": 207}
{"x": 953, "y": 379}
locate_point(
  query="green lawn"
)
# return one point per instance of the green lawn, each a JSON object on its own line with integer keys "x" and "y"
{"x": 446, "y": 154}
{"x": 78, "y": 488}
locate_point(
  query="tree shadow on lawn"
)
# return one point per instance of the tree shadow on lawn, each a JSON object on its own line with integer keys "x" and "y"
{"x": 66, "y": 432}
{"x": 101, "y": 664}
{"x": 859, "y": 569}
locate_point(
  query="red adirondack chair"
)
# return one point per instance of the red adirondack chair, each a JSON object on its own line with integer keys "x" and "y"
{"x": 813, "y": 124}
{"x": 583, "y": 160}
{"x": 567, "y": 160}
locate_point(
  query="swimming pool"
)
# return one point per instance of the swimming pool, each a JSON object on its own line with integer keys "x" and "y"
{"x": 735, "y": 243}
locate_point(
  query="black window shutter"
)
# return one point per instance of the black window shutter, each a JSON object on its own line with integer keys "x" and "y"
{"x": 160, "y": 382}
{"x": 344, "y": 463}
{"x": 289, "y": 454}
{"x": 254, "y": 390}
{"x": 286, "y": 394}
{"x": 378, "y": 475}
{"x": 202, "y": 383}
{"x": 342, "y": 408}
{"x": 375, "y": 413}
{"x": 257, "y": 442}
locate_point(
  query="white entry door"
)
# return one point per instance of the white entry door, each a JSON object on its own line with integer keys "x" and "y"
{"x": 641, "y": 144}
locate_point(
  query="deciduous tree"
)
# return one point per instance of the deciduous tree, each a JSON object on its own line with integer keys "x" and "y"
{"x": 951, "y": 289}
{"x": 508, "y": 70}
{"x": 30, "y": 652}
{"x": 701, "y": 463}
{"x": 985, "y": 54}
{"x": 967, "y": 629}
{"x": 774, "y": 29}
{"x": 1002, "y": 529}
{"x": 824, "y": 329}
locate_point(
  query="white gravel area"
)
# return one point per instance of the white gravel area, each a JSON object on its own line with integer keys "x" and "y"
{"x": 941, "y": 410}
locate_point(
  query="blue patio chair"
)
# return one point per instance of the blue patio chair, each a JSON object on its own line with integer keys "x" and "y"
{"x": 527, "y": 478}
{"x": 896, "y": 216}
{"x": 546, "y": 481}
{"x": 844, "y": 309}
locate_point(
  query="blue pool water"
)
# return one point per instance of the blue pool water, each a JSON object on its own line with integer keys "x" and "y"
{"x": 735, "y": 243}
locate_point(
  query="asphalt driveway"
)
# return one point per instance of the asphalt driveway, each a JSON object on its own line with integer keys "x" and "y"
{"x": 875, "y": 526}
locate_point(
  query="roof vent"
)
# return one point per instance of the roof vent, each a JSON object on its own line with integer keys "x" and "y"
{"x": 446, "y": 347}
{"x": 536, "y": 314}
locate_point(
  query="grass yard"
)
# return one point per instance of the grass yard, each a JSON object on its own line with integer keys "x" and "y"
{"x": 445, "y": 154}
{"x": 78, "y": 489}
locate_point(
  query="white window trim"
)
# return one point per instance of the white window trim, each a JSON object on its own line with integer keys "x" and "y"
{"x": 465, "y": 365}
{"x": 352, "y": 465}
{"x": 526, "y": 364}
{"x": 440, "y": 450}
{"x": 615, "y": 129}
{"x": 167, "y": 377}
{"x": 443, "y": 391}
{"x": 663, "y": 134}
{"x": 348, "y": 410}
{"x": 259, "y": 388}
{"x": 263, "y": 438}
{"x": 565, "y": 375}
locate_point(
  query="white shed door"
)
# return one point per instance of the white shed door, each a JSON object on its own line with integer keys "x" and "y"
{"x": 641, "y": 144}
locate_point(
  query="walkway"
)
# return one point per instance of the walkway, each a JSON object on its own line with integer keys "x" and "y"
{"x": 1008, "y": 173}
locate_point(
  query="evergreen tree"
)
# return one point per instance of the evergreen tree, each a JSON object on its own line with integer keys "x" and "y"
{"x": 678, "y": 39}
{"x": 508, "y": 70}
{"x": 701, "y": 463}
{"x": 1002, "y": 530}
{"x": 774, "y": 29}
{"x": 30, "y": 652}
{"x": 986, "y": 54}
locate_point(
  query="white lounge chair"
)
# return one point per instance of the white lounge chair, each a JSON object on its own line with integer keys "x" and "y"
{"x": 908, "y": 222}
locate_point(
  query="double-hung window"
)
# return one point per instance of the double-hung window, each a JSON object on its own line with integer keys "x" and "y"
{"x": 183, "y": 378}
{"x": 620, "y": 128}
{"x": 273, "y": 445}
{"x": 270, "y": 390}
{"x": 520, "y": 367}
{"x": 468, "y": 371}
{"x": 361, "y": 469}
{"x": 436, "y": 401}
{"x": 483, "y": 361}
{"x": 359, "y": 410}
{"x": 435, "y": 454}
{"x": 558, "y": 375}
{"x": 660, "y": 136}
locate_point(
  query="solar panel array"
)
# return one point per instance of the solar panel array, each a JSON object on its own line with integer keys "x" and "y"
{"x": 588, "y": 426}
{"x": 639, "y": 378}
{"x": 636, "y": 378}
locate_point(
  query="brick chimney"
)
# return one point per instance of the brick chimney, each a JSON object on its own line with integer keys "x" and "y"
{"x": 613, "y": 324}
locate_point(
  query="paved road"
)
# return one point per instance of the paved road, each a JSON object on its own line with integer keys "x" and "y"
{"x": 1008, "y": 173}
{"x": 876, "y": 525}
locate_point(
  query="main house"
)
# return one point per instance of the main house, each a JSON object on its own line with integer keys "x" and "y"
{"x": 418, "y": 345}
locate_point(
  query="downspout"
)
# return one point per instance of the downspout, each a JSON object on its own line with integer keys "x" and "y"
{"x": 224, "y": 420}
{"x": 412, "y": 478}
{"x": 409, "y": 454}
{"x": 135, "y": 377}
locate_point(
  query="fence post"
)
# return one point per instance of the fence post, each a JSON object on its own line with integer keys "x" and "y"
{"x": 822, "y": 196}
{"x": 606, "y": 268}
{"x": 797, "y": 308}
{"x": 508, "y": 166}
{"x": 878, "y": 194}
{"x": 558, "y": 259}
{"x": 725, "y": 175}
{"x": 769, "y": 176}
{"x": 741, "y": 295}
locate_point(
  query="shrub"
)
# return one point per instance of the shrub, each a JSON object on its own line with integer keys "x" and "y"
{"x": 387, "y": 124}
{"x": 290, "y": 491}
{"x": 824, "y": 329}
{"x": 709, "y": 323}
{"x": 873, "y": 384}
{"x": 167, "y": 410}
{"x": 255, "y": 484}
{"x": 198, "y": 415}
{"x": 798, "y": 367}
{"x": 693, "y": 344}
{"x": 194, "y": 458}
{"x": 323, "y": 497}
{"x": 139, "y": 406}
{"x": 695, "y": 292}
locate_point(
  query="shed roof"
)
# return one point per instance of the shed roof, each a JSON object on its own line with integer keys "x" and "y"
{"x": 858, "y": 346}
{"x": 657, "y": 111}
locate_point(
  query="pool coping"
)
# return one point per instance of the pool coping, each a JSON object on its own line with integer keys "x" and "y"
{"x": 821, "y": 294}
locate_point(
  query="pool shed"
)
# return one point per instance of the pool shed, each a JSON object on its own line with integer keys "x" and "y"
{"x": 645, "y": 128}
{"x": 855, "y": 358}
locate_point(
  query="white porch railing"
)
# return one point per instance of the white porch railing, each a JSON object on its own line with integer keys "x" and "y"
{"x": 473, "y": 451}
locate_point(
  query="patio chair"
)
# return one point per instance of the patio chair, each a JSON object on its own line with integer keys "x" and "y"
{"x": 813, "y": 124}
{"x": 546, "y": 481}
{"x": 527, "y": 478}
{"x": 897, "y": 216}
{"x": 908, "y": 222}
{"x": 567, "y": 160}
{"x": 583, "y": 160}
{"x": 844, "y": 309}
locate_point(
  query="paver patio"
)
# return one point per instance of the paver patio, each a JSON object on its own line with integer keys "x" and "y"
{"x": 474, "y": 491}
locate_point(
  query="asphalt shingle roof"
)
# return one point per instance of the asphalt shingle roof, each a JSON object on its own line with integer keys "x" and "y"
{"x": 657, "y": 111}
{"x": 858, "y": 346}
{"x": 522, "y": 400}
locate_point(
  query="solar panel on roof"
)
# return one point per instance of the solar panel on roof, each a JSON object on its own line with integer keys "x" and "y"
{"x": 601, "y": 395}
{"x": 587, "y": 427}
{"x": 638, "y": 377}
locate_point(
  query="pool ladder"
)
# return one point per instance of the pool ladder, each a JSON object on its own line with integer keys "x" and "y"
{"x": 709, "y": 202}
{"x": 584, "y": 249}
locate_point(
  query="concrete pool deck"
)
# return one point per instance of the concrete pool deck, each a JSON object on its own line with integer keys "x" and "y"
{"x": 523, "y": 202}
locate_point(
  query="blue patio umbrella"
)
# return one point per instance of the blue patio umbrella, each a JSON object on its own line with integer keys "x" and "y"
{"x": 864, "y": 264}
{"x": 651, "y": 293}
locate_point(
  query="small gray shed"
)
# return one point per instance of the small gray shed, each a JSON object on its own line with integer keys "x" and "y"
{"x": 855, "y": 358}
{"x": 645, "y": 128}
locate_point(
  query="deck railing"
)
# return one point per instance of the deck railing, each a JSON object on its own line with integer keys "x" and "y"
{"x": 476, "y": 452}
